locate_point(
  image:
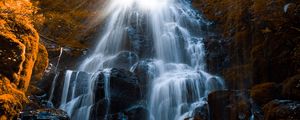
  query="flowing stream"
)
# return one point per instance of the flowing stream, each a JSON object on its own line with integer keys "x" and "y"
{"x": 166, "y": 33}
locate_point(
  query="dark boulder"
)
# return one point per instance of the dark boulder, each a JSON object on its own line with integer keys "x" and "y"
{"x": 124, "y": 92}
{"x": 282, "y": 110}
{"x": 200, "y": 113}
{"x": 145, "y": 72}
{"x": 291, "y": 88}
{"x": 265, "y": 92}
{"x": 123, "y": 85}
{"x": 102, "y": 110}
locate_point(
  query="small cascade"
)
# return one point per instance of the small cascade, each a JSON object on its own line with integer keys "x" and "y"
{"x": 79, "y": 101}
{"x": 74, "y": 86}
{"x": 66, "y": 87}
{"x": 106, "y": 73}
{"x": 178, "y": 89}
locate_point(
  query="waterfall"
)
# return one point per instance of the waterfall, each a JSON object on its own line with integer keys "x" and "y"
{"x": 168, "y": 35}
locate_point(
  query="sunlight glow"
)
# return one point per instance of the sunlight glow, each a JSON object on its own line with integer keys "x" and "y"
{"x": 152, "y": 4}
{"x": 141, "y": 4}
{"x": 125, "y": 3}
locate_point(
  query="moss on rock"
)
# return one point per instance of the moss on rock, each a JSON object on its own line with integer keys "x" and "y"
{"x": 19, "y": 48}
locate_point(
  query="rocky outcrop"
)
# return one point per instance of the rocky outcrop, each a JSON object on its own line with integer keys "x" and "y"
{"x": 11, "y": 99}
{"x": 48, "y": 114}
{"x": 70, "y": 23}
{"x": 265, "y": 92}
{"x": 19, "y": 48}
{"x": 256, "y": 47}
{"x": 40, "y": 64}
{"x": 259, "y": 39}
{"x": 18, "y": 32}
{"x": 282, "y": 110}
{"x": 125, "y": 95}
{"x": 291, "y": 88}
{"x": 200, "y": 113}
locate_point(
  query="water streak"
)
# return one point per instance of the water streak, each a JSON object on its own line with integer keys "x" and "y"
{"x": 56, "y": 74}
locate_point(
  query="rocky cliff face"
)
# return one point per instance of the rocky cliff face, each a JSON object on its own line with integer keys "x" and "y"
{"x": 19, "y": 48}
{"x": 256, "y": 42}
{"x": 255, "y": 45}
{"x": 72, "y": 23}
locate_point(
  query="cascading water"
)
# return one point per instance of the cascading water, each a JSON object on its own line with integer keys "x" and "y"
{"x": 176, "y": 62}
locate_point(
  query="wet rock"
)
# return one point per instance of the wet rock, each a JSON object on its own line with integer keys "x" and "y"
{"x": 137, "y": 40}
{"x": 34, "y": 90}
{"x": 137, "y": 112}
{"x": 46, "y": 83}
{"x": 265, "y": 92}
{"x": 217, "y": 56}
{"x": 100, "y": 109}
{"x": 63, "y": 57}
{"x": 58, "y": 87}
{"x": 291, "y": 88}
{"x": 229, "y": 105}
{"x": 124, "y": 92}
{"x": 38, "y": 101}
{"x": 78, "y": 79}
{"x": 145, "y": 73}
{"x": 123, "y": 60}
{"x": 282, "y": 110}
{"x": 200, "y": 113}
{"x": 44, "y": 114}
{"x": 124, "y": 86}
{"x": 287, "y": 7}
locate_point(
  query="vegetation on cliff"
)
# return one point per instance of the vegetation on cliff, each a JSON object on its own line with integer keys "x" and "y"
{"x": 18, "y": 54}
{"x": 68, "y": 22}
